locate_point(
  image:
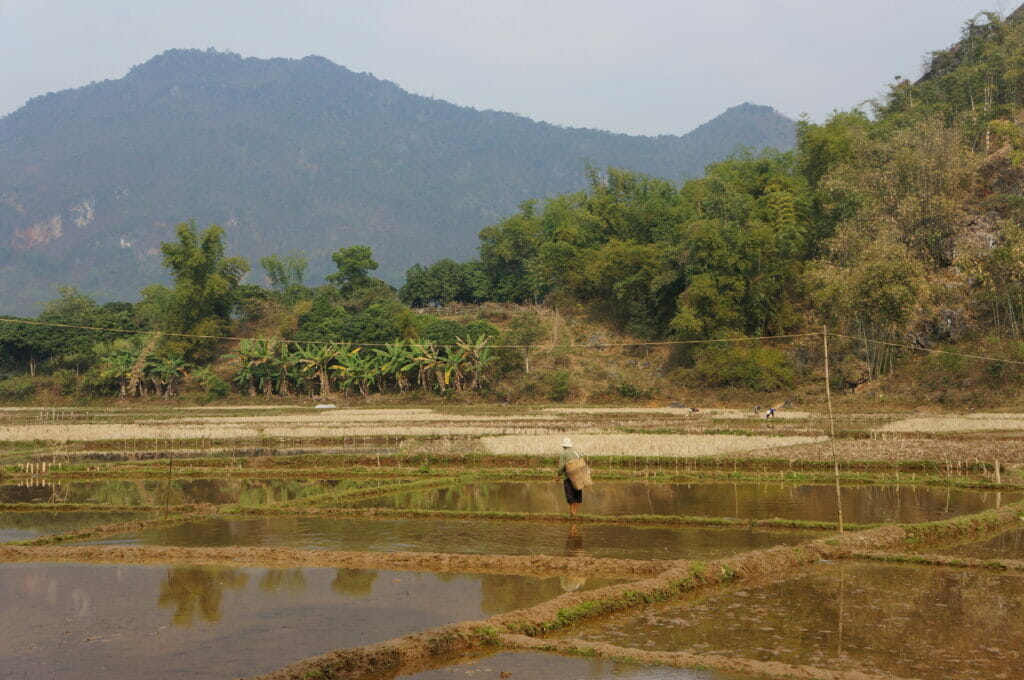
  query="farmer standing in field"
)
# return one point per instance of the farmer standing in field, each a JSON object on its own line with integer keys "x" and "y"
{"x": 573, "y": 496}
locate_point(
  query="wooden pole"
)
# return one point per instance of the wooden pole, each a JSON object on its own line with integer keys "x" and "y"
{"x": 167, "y": 488}
{"x": 832, "y": 428}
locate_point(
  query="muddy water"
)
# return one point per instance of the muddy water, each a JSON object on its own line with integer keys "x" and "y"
{"x": 22, "y": 526}
{"x": 1008, "y": 545}
{"x": 921, "y": 622}
{"x": 249, "y": 492}
{"x": 466, "y": 536}
{"x": 861, "y": 504}
{"x": 526, "y": 665}
{"x": 90, "y": 621}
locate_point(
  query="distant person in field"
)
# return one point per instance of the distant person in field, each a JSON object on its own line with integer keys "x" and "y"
{"x": 573, "y": 496}
{"x": 771, "y": 413}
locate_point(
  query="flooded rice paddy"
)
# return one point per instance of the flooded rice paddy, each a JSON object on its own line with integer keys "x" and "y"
{"x": 464, "y": 536}
{"x": 532, "y": 665}
{"x": 1006, "y": 545}
{"x": 88, "y": 621}
{"x": 908, "y": 621}
{"x": 861, "y": 504}
{"x": 26, "y": 525}
{"x": 128, "y": 492}
{"x": 262, "y": 610}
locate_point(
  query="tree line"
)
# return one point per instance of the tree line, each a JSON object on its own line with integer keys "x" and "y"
{"x": 896, "y": 224}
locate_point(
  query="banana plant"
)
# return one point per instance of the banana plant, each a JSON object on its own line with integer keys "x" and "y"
{"x": 316, "y": 361}
{"x": 363, "y": 369}
{"x": 287, "y": 365}
{"x": 164, "y": 370}
{"x": 255, "y": 359}
{"x": 397, "y": 360}
{"x": 118, "y": 366}
{"x": 450, "y": 367}
{"x": 479, "y": 355}
{"x": 426, "y": 360}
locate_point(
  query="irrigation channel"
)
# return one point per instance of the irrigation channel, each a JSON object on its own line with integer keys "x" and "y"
{"x": 708, "y": 548}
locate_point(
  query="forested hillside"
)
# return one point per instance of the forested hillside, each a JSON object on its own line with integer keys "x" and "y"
{"x": 897, "y": 224}
{"x": 900, "y": 227}
{"x": 287, "y": 155}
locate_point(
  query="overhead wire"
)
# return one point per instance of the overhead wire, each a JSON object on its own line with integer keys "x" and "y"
{"x": 589, "y": 345}
{"x": 593, "y": 345}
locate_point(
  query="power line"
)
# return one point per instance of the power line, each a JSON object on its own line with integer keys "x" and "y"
{"x": 595, "y": 345}
{"x": 927, "y": 349}
{"x": 652, "y": 343}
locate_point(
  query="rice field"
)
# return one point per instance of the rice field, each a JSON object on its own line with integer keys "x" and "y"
{"x": 652, "y": 445}
{"x": 974, "y": 422}
{"x": 451, "y": 539}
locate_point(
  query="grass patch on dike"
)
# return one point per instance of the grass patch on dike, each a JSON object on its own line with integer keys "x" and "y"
{"x": 941, "y": 561}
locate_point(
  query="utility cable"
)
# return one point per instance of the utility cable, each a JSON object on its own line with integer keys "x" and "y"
{"x": 595, "y": 345}
{"x": 927, "y": 349}
{"x": 652, "y": 343}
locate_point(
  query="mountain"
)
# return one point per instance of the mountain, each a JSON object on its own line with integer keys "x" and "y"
{"x": 287, "y": 155}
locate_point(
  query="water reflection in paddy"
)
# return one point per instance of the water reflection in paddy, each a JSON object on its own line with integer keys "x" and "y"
{"x": 861, "y": 504}
{"x": 541, "y": 665}
{"x": 22, "y": 526}
{"x": 466, "y": 536}
{"x": 921, "y": 622}
{"x": 128, "y": 492}
{"x": 89, "y": 621}
{"x": 1007, "y": 545}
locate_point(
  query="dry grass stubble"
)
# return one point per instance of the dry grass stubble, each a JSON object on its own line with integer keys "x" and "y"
{"x": 657, "y": 445}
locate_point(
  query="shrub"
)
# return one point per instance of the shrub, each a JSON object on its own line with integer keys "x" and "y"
{"x": 67, "y": 381}
{"x": 762, "y": 369}
{"x": 631, "y": 391}
{"x": 17, "y": 388}
{"x": 558, "y": 385}
{"x": 213, "y": 386}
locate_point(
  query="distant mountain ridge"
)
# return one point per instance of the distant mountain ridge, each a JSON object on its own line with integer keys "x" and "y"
{"x": 288, "y": 155}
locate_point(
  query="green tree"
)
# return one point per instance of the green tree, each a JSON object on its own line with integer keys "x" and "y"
{"x": 285, "y": 272}
{"x": 354, "y": 264}
{"x": 204, "y": 285}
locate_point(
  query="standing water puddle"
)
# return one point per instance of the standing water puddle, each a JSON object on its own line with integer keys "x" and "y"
{"x": 921, "y": 622}
{"x": 22, "y": 526}
{"x": 540, "y": 665}
{"x": 466, "y": 536}
{"x": 861, "y": 504}
{"x": 89, "y": 621}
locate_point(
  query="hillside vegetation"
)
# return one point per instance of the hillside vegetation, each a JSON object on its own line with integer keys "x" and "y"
{"x": 287, "y": 155}
{"x": 898, "y": 227}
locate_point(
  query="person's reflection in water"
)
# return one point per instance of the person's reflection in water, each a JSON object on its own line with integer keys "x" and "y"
{"x": 574, "y": 542}
{"x": 571, "y": 583}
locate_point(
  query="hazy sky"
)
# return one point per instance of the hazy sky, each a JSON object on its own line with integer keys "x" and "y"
{"x": 640, "y": 67}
